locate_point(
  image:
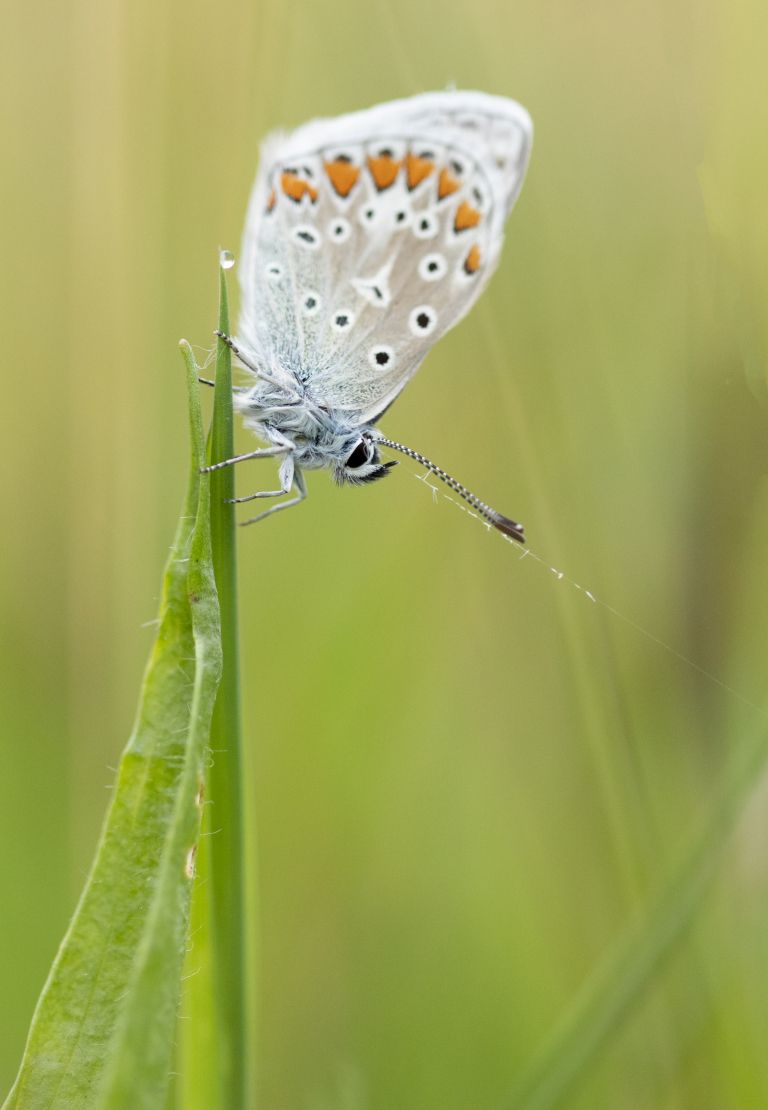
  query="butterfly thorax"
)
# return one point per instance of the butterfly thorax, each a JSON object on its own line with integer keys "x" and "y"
{"x": 316, "y": 436}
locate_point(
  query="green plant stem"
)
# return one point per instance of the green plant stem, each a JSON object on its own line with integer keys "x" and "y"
{"x": 224, "y": 847}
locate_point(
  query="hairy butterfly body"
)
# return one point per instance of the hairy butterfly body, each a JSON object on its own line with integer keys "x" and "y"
{"x": 368, "y": 237}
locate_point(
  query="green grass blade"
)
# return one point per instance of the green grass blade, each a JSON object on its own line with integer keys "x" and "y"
{"x": 104, "y": 1028}
{"x": 215, "y": 1048}
{"x": 611, "y": 994}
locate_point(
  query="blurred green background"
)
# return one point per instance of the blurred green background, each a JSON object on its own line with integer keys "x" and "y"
{"x": 468, "y": 779}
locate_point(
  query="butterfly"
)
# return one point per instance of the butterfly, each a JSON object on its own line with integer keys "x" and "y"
{"x": 368, "y": 236}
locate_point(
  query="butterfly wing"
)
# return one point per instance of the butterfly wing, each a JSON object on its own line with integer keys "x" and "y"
{"x": 370, "y": 235}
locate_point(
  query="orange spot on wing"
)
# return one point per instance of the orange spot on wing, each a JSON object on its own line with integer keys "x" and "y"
{"x": 384, "y": 170}
{"x": 466, "y": 217}
{"x": 343, "y": 176}
{"x": 417, "y": 169}
{"x": 296, "y": 187}
{"x": 447, "y": 184}
{"x": 472, "y": 261}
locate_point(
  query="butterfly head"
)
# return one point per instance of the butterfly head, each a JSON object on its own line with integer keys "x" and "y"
{"x": 359, "y": 461}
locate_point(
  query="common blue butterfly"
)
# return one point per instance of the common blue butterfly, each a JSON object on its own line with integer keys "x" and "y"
{"x": 368, "y": 236}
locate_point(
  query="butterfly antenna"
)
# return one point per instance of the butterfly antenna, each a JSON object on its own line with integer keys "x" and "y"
{"x": 502, "y": 523}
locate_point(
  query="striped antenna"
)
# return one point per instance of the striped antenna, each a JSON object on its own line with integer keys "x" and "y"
{"x": 502, "y": 523}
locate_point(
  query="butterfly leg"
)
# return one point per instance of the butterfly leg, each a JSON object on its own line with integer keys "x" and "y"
{"x": 301, "y": 493}
{"x": 250, "y": 366}
{"x": 212, "y": 384}
{"x": 286, "y": 475}
{"x": 261, "y": 453}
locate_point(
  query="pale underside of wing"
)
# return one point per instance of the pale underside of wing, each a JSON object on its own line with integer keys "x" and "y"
{"x": 370, "y": 235}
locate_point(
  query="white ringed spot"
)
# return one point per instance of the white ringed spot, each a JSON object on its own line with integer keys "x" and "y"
{"x": 381, "y": 357}
{"x": 306, "y": 236}
{"x": 339, "y": 231}
{"x": 433, "y": 267}
{"x": 422, "y": 320}
{"x": 426, "y": 226}
{"x": 367, "y": 215}
{"x": 310, "y": 303}
{"x": 342, "y": 320}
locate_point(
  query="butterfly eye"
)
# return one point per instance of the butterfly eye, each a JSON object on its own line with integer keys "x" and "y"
{"x": 361, "y": 455}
